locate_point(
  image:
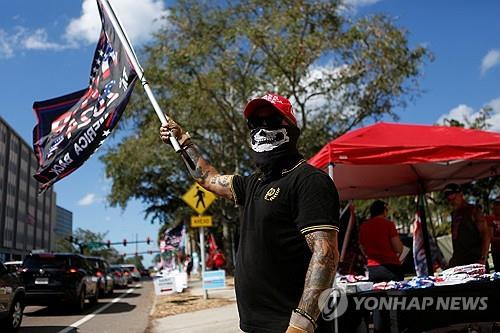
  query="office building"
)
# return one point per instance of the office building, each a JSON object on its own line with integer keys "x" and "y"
{"x": 26, "y": 217}
{"x": 64, "y": 224}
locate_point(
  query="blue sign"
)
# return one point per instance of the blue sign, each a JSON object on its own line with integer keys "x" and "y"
{"x": 214, "y": 279}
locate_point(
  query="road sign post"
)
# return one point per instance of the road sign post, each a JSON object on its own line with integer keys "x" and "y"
{"x": 201, "y": 221}
{"x": 202, "y": 249}
{"x": 199, "y": 199}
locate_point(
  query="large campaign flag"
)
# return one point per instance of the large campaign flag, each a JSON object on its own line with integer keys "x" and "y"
{"x": 72, "y": 127}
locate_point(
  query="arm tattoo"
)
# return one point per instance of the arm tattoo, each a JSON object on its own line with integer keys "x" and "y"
{"x": 198, "y": 174}
{"x": 207, "y": 176}
{"x": 221, "y": 180}
{"x": 322, "y": 268}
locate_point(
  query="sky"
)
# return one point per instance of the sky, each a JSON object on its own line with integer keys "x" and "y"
{"x": 46, "y": 48}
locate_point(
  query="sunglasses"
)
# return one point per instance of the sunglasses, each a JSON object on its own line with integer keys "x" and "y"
{"x": 272, "y": 121}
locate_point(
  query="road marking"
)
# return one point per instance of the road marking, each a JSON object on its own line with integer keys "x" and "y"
{"x": 101, "y": 309}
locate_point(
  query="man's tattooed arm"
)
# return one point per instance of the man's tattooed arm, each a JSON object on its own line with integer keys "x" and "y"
{"x": 322, "y": 268}
{"x": 207, "y": 176}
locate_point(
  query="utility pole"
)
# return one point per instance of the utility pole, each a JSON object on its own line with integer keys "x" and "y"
{"x": 136, "y": 244}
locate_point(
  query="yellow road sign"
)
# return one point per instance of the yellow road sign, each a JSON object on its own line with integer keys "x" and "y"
{"x": 201, "y": 221}
{"x": 198, "y": 198}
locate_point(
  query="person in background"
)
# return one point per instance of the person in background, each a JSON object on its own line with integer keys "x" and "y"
{"x": 494, "y": 223}
{"x": 469, "y": 231}
{"x": 188, "y": 265}
{"x": 380, "y": 243}
{"x": 219, "y": 260}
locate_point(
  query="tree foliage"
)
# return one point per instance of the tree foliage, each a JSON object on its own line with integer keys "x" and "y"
{"x": 482, "y": 191}
{"x": 92, "y": 244}
{"x": 210, "y": 59}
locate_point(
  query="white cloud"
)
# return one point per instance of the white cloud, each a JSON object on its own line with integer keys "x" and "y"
{"x": 351, "y": 6}
{"x": 359, "y": 3}
{"x": 38, "y": 40}
{"x": 495, "y": 117}
{"x": 491, "y": 59}
{"x": 139, "y": 19}
{"x": 6, "y": 45}
{"x": 87, "y": 200}
{"x": 10, "y": 41}
{"x": 21, "y": 38}
{"x": 462, "y": 112}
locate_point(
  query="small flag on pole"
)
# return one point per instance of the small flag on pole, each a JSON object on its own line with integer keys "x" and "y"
{"x": 71, "y": 128}
{"x": 419, "y": 256}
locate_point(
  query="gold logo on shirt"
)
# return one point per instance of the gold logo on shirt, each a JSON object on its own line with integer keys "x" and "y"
{"x": 272, "y": 194}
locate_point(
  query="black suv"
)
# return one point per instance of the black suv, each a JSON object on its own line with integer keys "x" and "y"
{"x": 50, "y": 278}
{"x": 11, "y": 301}
{"x": 101, "y": 270}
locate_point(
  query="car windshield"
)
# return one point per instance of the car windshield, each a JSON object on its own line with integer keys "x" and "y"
{"x": 37, "y": 262}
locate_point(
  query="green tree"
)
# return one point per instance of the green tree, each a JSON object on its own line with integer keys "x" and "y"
{"x": 481, "y": 191}
{"x": 63, "y": 244}
{"x": 93, "y": 244}
{"x": 211, "y": 59}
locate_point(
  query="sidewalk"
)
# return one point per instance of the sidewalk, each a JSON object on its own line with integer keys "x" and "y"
{"x": 223, "y": 319}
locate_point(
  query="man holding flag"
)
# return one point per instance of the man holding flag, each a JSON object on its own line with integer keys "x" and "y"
{"x": 287, "y": 254}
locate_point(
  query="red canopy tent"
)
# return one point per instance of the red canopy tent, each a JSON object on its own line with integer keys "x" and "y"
{"x": 387, "y": 159}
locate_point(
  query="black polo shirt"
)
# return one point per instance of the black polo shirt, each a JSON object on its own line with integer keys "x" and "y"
{"x": 273, "y": 256}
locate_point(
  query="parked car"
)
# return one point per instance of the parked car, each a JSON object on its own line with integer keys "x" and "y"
{"x": 13, "y": 266}
{"x": 11, "y": 301}
{"x": 119, "y": 278}
{"x": 100, "y": 269}
{"x": 127, "y": 275}
{"x": 52, "y": 278}
{"x": 136, "y": 275}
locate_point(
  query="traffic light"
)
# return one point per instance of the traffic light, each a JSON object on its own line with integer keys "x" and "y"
{"x": 148, "y": 240}
{"x": 124, "y": 242}
{"x": 136, "y": 254}
{"x": 108, "y": 243}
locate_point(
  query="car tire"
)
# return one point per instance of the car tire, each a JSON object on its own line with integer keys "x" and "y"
{"x": 15, "y": 317}
{"x": 95, "y": 299}
{"x": 79, "y": 302}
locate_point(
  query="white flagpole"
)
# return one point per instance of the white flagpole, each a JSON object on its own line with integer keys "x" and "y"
{"x": 138, "y": 69}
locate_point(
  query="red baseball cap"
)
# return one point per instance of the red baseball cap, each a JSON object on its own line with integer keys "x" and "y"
{"x": 280, "y": 103}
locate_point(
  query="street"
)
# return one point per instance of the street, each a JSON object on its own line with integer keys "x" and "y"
{"x": 127, "y": 310}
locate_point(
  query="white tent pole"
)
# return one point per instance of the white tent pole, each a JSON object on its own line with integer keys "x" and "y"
{"x": 335, "y": 320}
{"x": 330, "y": 170}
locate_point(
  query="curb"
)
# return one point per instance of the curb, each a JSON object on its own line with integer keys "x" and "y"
{"x": 154, "y": 305}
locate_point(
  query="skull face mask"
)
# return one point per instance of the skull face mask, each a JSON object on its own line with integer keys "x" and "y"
{"x": 274, "y": 147}
{"x": 266, "y": 140}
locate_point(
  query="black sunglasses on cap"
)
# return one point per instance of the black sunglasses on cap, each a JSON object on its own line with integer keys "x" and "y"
{"x": 272, "y": 121}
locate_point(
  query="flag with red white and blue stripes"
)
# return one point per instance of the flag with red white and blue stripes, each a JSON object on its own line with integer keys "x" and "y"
{"x": 72, "y": 127}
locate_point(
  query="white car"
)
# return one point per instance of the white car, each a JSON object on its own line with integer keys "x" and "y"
{"x": 136, "y": 275}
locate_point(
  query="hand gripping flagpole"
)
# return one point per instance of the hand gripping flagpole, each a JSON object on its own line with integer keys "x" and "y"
{"x": 129, "y": 50}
